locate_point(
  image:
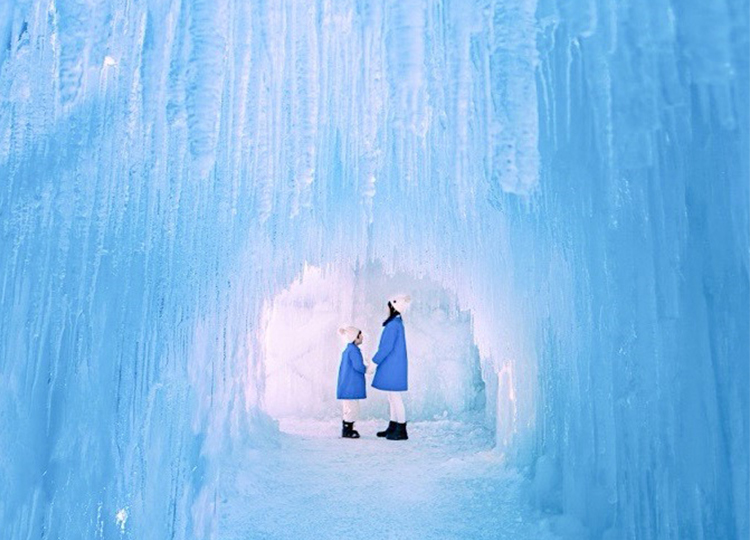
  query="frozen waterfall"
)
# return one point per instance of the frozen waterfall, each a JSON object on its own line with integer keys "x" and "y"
{"x": 194, "y": 193}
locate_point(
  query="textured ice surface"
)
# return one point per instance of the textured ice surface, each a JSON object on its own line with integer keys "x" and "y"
{"x": 573, "y": 175}
{"x": 444, "y": 483}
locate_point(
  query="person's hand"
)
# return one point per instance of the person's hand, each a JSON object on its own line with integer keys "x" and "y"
{"x": 371, "y": 369}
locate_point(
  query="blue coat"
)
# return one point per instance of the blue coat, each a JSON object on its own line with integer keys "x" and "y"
{"x": 392, "y": 373}
{"x": 351, "y": 374}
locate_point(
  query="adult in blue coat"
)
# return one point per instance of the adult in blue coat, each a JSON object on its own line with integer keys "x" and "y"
{"x": 392, "y": 375}
{"x": 351, "y": 383}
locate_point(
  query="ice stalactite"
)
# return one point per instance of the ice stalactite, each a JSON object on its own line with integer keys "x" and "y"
{"x": 574, "y": 174}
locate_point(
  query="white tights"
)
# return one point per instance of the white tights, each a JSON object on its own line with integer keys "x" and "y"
{"x": 396, "y": 404}
{"x": 351, "y": 409}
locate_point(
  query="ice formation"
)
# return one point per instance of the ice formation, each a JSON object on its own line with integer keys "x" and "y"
{"x": 569, "y": 180}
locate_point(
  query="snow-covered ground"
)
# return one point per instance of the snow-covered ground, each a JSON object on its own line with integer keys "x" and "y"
{"x": 444, "y": 482}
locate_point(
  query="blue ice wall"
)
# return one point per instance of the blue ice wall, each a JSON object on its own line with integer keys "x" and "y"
{"x": 576, "y": 173}
{"x": 644, "y": 194}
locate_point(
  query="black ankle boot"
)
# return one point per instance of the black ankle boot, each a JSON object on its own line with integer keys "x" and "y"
{"x": 388, "y": 430}
{"x": 348, "y": 431}
{"x": 398, "y": 434}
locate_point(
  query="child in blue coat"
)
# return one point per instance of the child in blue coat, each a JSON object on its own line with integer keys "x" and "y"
{"x": 393, "y": 368}
{"x": 351, "y": 384}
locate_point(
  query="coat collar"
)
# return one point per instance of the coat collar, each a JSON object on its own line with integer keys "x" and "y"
{"x": 392, "y": 318}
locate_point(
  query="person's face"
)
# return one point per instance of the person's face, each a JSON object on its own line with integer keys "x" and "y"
{"x": 360, "y": 338}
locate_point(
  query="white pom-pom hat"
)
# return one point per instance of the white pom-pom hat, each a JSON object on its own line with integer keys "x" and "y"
{"x": 349, "y": 333}
{"x": 400, "y": 302}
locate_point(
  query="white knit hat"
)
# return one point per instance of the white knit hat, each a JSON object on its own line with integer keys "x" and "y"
{"x": 401, "y": 302}
{"x": 350, "y": 333}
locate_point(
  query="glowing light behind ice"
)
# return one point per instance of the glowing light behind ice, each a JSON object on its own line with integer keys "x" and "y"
{"x": 302, "y": 354}
{"x": 573, "y": 174}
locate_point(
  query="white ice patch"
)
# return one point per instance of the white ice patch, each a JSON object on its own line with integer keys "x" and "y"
{"x": 121, "y": 518}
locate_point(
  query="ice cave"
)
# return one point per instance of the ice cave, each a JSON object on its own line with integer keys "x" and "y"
{"x": 195, "y": 196}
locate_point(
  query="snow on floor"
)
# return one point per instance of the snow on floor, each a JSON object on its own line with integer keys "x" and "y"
{"x": 443, "y": 483}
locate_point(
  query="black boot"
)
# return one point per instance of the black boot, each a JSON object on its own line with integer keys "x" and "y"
{"x": 348, "y": 431}
{"x": 398, "y": 434}
{"x": 388, "y": 430}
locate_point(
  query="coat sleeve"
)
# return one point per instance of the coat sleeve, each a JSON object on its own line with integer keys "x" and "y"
{"x": 387, "y": 341}
{"x": 355, "y": 359}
